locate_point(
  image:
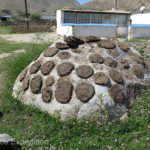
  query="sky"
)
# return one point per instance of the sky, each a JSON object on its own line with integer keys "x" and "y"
{"x": 83, "y": 1}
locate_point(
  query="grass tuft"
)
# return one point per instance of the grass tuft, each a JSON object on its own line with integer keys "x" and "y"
{"x": 5, "y": 29}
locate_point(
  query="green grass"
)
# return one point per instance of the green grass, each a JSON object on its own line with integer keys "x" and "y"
{"x": 5, "y": 29}
{"x": 137, "y": 40}
{"x": 30, "y": 124}
{"x": 8, "y": 47}
{"x": 140, "y": 45}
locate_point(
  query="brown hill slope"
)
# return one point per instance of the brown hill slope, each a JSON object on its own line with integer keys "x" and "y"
{"x": 122, "y": 4}
{"x": 37, "y": 6}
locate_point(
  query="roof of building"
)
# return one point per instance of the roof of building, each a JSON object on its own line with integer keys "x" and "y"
{"x": 139, "y": 12}
{"x": 6, "y": 16}
{"x": 5, "y": 13}
{"x": 49, "y": 17}
{"x": 115, "y": 11}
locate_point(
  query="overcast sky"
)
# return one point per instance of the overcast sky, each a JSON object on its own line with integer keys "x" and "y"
{"x": 83, "y": 1}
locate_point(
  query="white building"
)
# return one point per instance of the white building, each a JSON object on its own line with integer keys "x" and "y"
{"x": 140, "y": 26}
{"x": 82, "y": 23}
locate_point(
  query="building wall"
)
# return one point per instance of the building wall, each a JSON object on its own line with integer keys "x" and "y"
{"x": 122, "y": 31}
{"x": 83, "y": 30}
{"x": 141, "y": 18}
{"x": 99, "y": 31}
{"x": 140, "y": 32}
{"x": 63, "y": 30}
{"x": 140, "y": 27}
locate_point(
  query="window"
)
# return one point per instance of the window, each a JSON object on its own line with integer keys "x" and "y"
{"x": 114, "y": 19}
{"x": 69, "y": 17}
{"x": 95, "y": 18}
{"x": 106, "y": 19}
{"x": 83, "y": 18}
{"x": 122, "y": 21}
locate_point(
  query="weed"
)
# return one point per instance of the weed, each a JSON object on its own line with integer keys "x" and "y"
{"x": 5, "y": 29}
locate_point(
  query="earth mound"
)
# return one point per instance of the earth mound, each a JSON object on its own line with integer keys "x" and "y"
{"x": 69, "y": 77}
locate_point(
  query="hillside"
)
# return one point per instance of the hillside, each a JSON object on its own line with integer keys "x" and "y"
{"x": 36, "y": 6}
{"x": 48, "y": 7}
{"x": 122, "y": 4}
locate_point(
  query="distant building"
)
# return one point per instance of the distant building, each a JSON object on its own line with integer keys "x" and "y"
{"x": 5, "y": 15}
{"x": 113, "y": 23}
{"x": 5, "y": 18}
{"x": 51, "y": 17}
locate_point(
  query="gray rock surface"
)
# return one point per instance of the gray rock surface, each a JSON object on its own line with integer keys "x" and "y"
{"x": 73, "y": 84}
{"x": 8, "y": 143}
{"x": 5, "y": 138}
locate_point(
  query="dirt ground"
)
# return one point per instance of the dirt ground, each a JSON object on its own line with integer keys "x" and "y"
{"x": 3, "y": 55}
{"x": 142, "y": 44}
{"x": 139, "y": 44}
{"x": 31, "y": 37}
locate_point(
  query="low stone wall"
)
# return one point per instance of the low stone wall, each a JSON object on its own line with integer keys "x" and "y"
{"x": 32, "y": 22}
{"x": 6, "y": 23}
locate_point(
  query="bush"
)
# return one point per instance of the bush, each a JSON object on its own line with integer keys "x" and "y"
{"x": 35, "y": 16}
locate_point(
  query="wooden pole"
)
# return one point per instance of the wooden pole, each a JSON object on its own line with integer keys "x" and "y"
{"x": 116, "y": 4}
{"x": 27, "y": 15}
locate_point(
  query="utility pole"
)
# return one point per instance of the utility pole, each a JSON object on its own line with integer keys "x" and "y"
{"x": 27, "y": 15}
{"x": 116, "y": 4}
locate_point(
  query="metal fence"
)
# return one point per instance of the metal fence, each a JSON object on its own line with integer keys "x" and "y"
{"x": 32, "y": 22}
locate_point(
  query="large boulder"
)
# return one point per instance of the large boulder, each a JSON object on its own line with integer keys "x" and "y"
{"x": 8, "y": 143}
{"x": 79, "y": 82}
